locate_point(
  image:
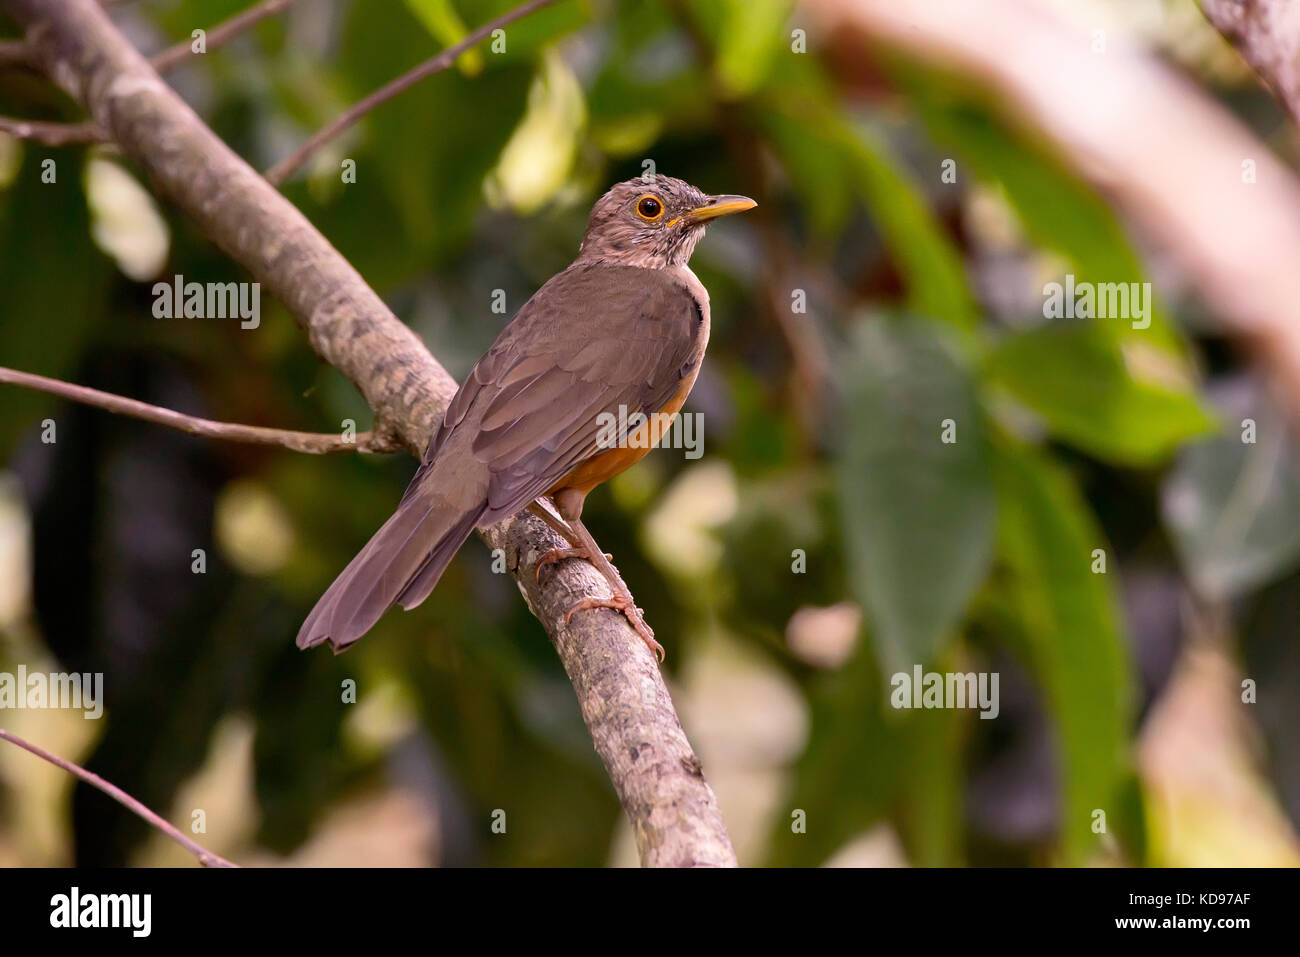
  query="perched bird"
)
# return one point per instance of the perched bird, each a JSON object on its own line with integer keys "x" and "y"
{"x": 621, "y": 331}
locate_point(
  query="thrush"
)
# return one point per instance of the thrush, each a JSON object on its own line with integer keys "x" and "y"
{"x": 577, "y": 388}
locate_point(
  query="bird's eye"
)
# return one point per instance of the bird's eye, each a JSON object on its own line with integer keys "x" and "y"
{"x": 649, "y": 208}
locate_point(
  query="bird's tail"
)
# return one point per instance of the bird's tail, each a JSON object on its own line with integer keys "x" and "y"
{"x": 399, "y": 565}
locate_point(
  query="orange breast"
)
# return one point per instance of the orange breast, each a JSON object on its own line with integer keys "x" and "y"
{"x": 605, "y": 465}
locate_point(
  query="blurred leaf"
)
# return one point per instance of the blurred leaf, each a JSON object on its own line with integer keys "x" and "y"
{"x": 848, "y": 776}
{"x": 1075, "y": 377}
{"x": 528, "y": 36}
{"x": 627, "y": 135}
{"x": 432, "y": 149}
{"x": 537, "y": 160}
{"x": 445, "y": 25}
{"x": 1072, "y": 632}
{"x": 1232, "y": 506}
{"x": 746, "y": 36}
{"x": 1057, "y": 210}
{"x": 55, "y": 283}
{"x": 1272, "y": 655}
{"x": 933, "y": 782}
{"x": 863, "y": 764}
{"x": 930, "y": 263}
{"x": 918, "y": 512}
{"x": 816, "y": 171}
{"x": 649, "y": 71}
{"x": 777, "y": 515}
{"x": 830, "y": 159}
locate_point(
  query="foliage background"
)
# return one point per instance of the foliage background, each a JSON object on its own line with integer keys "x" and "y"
{"x": 1120, "y": 691}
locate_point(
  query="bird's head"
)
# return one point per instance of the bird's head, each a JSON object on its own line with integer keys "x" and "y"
{"x": 654, "y": 224}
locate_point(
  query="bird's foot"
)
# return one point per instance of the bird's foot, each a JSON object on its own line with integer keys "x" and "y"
{"x": 624, "y": 603}
{"x": 559, "y": 555}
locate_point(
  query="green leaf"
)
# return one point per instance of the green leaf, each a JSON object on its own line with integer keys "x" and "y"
{"x": 918, "y": 511}
{"x": 746, "y": 36}
{"x": 444, "y": 24}
{"x": 1232, "y": 503}
{"x": 930, "y": 263}
{"x": 816, "y": 170}
{"x": 526, "y": 37}
{"x": 1071, "y": 631}
{"x": 830, "y": 160}
{"x": 35, "y": 265}
{"x": 536, "y": 161}
{"x": 849, "y": 774}
{"x": 1057, "y": 210}
{"x": 930, "y": 805}
{"x": 430, "y": 151}
{"x": 866, "y": 764}
{"x": 1075, "y": 377}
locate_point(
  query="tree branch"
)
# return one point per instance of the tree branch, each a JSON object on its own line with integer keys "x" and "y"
{"x": 224, "y": 32}
{"x": 282, "y": 170}
{"x": 205, "y": 857}
{"x": 51, "y": 134}
{"x": 313, "y": 442}
{"x": 1267, "y": 33}
{"x": 621, "y": 693}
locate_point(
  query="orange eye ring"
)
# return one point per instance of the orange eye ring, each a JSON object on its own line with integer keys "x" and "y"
{"x": 649, "y": 207}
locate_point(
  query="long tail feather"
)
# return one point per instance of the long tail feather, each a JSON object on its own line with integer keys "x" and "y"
{"x": 401, "y": 563}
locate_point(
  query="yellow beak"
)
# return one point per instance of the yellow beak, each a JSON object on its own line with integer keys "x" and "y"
{"x": 717, "y": 206}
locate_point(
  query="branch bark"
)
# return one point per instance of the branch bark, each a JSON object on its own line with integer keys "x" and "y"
{"x": 1267, "y": 34}
{"x": 205, "y": 857}
{"x": 317, "y": 443}
{"x": 620, "y": 691}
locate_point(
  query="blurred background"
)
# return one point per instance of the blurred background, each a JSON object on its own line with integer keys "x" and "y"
{"x": 825, "y": 540}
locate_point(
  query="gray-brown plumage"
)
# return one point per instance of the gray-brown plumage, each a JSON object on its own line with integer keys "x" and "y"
{"x": 623, "y": 328}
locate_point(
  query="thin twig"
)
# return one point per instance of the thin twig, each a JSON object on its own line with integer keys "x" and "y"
{"x": 282, "y": 170}
{"x": 51, "y": 134}
{"x": 222, "y": 33}
{"x": 205, "y": 857}
{"x": 313, "y": 442}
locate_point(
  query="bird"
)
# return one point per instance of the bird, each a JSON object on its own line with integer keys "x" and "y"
{"x": 617, "y": 337}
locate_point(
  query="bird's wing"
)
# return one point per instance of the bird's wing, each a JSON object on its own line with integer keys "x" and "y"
{"x": 595, "y": 339}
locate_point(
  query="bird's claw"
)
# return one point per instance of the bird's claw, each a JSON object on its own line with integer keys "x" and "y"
{"x": 627, "y": 606}
{"x": 559, "y": 555}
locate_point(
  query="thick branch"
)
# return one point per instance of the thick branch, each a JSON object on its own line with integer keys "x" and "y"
{"x": 1267, "y": 33}
{"x": 205, "y": 857}
{"x": 620, "y": 691}
{"x": 314, "y": 442}
{"x": 282, "y": 170}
